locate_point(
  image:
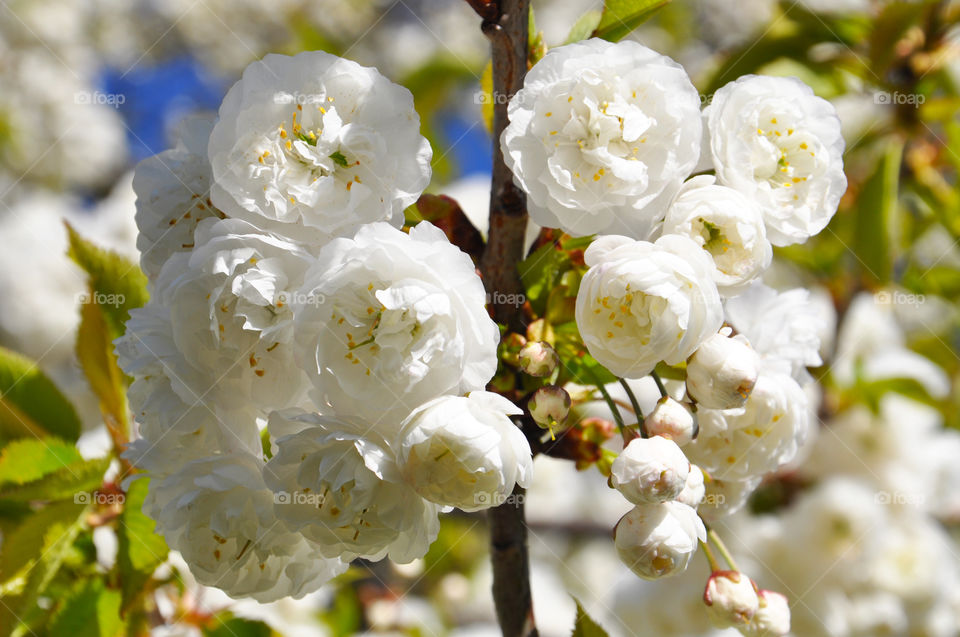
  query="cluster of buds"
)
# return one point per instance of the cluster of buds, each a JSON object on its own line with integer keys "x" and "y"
{"x": 734, "y": 601}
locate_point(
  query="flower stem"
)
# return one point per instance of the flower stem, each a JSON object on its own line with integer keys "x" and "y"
{"x": 636, "y": 405}
{"x": 722, "y": 548}
{"x": 711, "y": 559}
{"x": 659, "y": 382}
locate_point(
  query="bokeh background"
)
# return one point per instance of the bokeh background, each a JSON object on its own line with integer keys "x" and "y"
{"x": 861, "y": 534}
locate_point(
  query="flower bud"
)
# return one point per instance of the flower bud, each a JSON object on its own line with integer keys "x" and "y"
{"x": 658, "y": 540}
{"x": 538, "y": 359}
{"x": 731, "y": 599}
{"x": 773, "y": 616}
{"x": 549, "y": 406}
{"x": 722, "y": 372}
{"x": 671, "y": 419}
{"x": 510, "y": 346}
{"x": 650, "y": 470}
{"x": 694, "y": 490}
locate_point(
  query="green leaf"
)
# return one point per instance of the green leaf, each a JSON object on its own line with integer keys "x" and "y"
{"x": 584, "y": 626}
{"x": 539, "y": 273}
{"x": 75, "y": 482}
{"x": 30, "y": 404}
{"x": 238, "y": 627}
{"x": 584, "y": 26}
{"x": 118, "y": 284}
{"x": 24, "y": 546}
{"x": 29, "y": 459}
{"x": 620, "y": 17}
{"x": 339, "y": 159}
{"x": 140, "y": 550}
{"x": 99, "y": 363}
{"x": 874, "y": 235}
{"x": 91, "y": 610}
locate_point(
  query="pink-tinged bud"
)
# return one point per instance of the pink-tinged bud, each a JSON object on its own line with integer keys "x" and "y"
{"x": 538, "y": 359}
{"x": 773, "y": 616}
{"x": 731, "y": 599}
{"x": 722, "y": 372}
{"x": 671, "y": 419}
{"x": 549, "y": 406}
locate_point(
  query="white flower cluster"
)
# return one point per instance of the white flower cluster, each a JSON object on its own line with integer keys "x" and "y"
{"x": 602, "y": 137}
{"x": 308, "y": 378}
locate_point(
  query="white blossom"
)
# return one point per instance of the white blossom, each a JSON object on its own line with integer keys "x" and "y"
{"x": 339, "y": 485}
{"x": 694, "y": 489}
{"x": 765, "y": 434}
{"x": 601, "y": 136}
{"x": 218, "y": 513}
{"x": 464, "y": 451}
{"x": 780, "y": 145}
{"x": 658, "y": 540}
{"x": 650, "y": 470}
{"x": 387, "y": 321}
{"x": 640, "y": 303}
{"x": 315, "y": 145}
{"x": 722, "y": 372}
{"x": 173, "y": 195}
{"x": 230, "y": 309}
{"x": 772, "y": 618}
{"x": 727, "y": 225}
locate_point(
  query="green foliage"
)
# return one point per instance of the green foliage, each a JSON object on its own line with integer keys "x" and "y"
{"x": 99, "y": 363}
{"x": 91, "y": 610}
{"x": 140, "y": 550}
{"x": 620, "y": 17}
{"x": 584, "y": 27}
{"x": 28, "y": 459}
{"x": 584, "y": 625}
{"x": 237, "y": 627}
{"x": 117, "y": 283}
{"x": 876, "y": 217}
{"x": 30, "y": 404}
{"x": 82, "y": 476}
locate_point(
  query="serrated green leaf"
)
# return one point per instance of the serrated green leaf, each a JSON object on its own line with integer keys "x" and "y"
{"x": 238, "y": 627}
{"x": 874, "y": 240}
{"x": 140, "y": 550}
{"x": 118, "y": 284}
{"x": 30, "y": 404}
{"x": 91, "y": 610}
{"x": 584, "y": 625}
{"x": 620, "y": 17}
{"x": 584, "y": 26}
{"x": 95, "y": 353}
{"x": 82, "y": 477}
{"x": 28, "y": 459}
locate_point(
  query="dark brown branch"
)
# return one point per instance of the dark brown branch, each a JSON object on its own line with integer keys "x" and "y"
{"x": 505, "y": 24}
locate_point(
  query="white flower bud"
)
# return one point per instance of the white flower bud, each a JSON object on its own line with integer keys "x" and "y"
{"x": 671, "y": 419}
{"x": 694, "y": 490}
{"x": 465, "y": 451}
{"x": 722, "y": 372}
{"x": 731, "y": 599}
{"x": 549, "y": 406}
{"x": 658, "y": 540}
{"x": 538, "y": 359}
{"x": 773, "y": 616}
{"x": 650, "y": 470}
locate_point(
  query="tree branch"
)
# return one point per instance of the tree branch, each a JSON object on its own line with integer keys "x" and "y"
{"x": 505, "y": 24}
